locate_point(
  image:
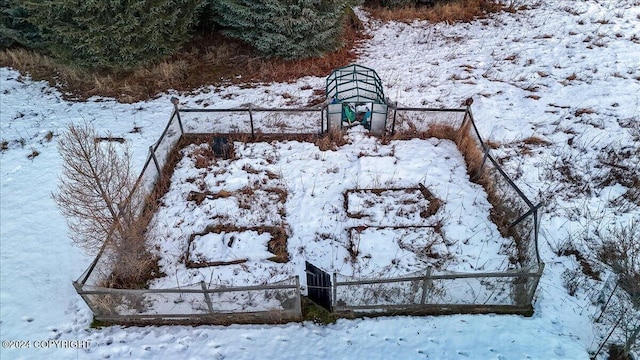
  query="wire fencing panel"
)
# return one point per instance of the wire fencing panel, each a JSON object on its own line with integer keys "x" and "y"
{"x": 507, "y": 289}
{"x": 513, "y": 213}
{"x": 170, "y": 136}
{"x": 281, "y": 299}
{"x": 352, "y": 292}
{"x": 292, "y": 121}
{"x": 422, "y": 119}
{"x": 516, "y": 216}
{"x": 157, "y": 158}
{"x": 252, "y": 120}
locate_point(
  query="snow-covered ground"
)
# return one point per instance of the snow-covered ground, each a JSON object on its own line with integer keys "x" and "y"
{"x": 565, "y": 72}
{"x": 296, "y": 186}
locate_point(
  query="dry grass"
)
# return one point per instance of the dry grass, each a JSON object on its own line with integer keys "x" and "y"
{"x": 434, "y": 202}
{"x": 280, "y": 192}
{"x": 534, "y": 140}
{"x": 621, "y": 251}
{"x": 203, "y": 157}
{"x": 449, "y": 12}
{"x": 582, "y": 111}
{"x": 332, "y": 140}
{"x": 505, "y": 207}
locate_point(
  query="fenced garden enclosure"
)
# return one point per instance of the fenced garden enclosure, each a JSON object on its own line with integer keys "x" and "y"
{"x": 430, "y": 291}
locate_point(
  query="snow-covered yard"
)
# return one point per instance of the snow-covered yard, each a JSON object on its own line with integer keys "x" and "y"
{"x": 333, "y": 207}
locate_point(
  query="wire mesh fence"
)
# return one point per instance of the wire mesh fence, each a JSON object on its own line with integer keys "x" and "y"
{"x": 276, "y": 302}
{"x": 506, "y": 291}
{"x": 253, "y": 120}
{"x": 422, "y": 119}
{"x": 515, "y": 214}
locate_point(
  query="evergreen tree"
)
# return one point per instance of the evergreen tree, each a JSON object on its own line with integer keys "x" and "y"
{"x": 15, "y": 27}
{"x": 114, "y": 33}
{"x": 289, "y": 29}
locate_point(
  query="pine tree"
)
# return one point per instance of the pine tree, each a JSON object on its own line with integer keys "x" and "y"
{"x": 114, "y": 33}
{"x": 289, "y": 29}
{"x": 15, "y": 27}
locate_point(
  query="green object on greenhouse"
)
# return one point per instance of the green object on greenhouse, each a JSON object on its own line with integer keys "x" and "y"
{"x": 355, "y": 83}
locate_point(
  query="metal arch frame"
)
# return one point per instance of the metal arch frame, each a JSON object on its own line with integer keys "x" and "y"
{"x": 348, "y": 78}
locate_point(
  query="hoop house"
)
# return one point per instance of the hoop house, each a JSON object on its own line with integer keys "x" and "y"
{"x": 356, "y": 97}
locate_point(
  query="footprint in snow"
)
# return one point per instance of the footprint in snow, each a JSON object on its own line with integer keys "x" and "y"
{"x": 559, "y": 351}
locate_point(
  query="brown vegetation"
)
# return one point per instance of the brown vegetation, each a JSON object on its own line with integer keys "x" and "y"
{"x": 96, "y": 196}
{"x": 445, "y": 11}
{"x": 332, "y": 140}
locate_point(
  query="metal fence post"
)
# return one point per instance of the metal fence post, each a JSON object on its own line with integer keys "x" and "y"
{"x": 393, "y": 124}
{"x": 155, "y": 160}
{"x": 207, "y": 298}
{"x": 298, "y": 308}
{"x": 175, "y": 102}
{"x": 334, "y": 290}
{"x": 87, "y": 300}
{"x": 253, "y": 134}
{"x": 426, "y": 285}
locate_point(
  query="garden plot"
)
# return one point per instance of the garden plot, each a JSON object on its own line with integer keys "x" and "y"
{"x": 218, "y": 247}
{"x": 401, "y": 249}
{"x": 365, "y": 209}
{"x": 409, "y": 206}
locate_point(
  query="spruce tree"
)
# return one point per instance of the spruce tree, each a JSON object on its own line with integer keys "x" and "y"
{"x": 15, "y": 28}
{"x": 289, "y": 29}
{"x": 117, "y": 34}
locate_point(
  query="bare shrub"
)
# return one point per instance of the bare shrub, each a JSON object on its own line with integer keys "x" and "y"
{"x": 621, "y": 251}
{"x": 619, "y": 319}
{"x": 96, "y": 196}
{"x": 95, "y": 184}
{"x": 569, "y": 249}
{"x": 620, "y": 166}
